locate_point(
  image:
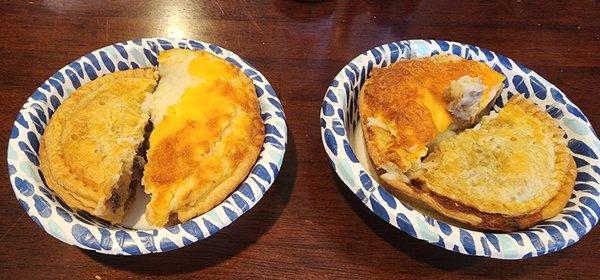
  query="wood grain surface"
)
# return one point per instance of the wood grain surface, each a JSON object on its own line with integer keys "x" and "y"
{"x": 309, "y": 225}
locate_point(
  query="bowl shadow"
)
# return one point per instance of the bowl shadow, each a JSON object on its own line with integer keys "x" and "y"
{"x": 224, "y": 244}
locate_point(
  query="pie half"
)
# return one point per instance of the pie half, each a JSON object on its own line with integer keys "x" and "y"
{"x": 509, "y": 172}
{"x": 207, "y": 135}
{"x": 412, "y": 104}
{"x": 89, "y": 145}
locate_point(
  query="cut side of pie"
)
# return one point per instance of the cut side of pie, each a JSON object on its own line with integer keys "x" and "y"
{"x": 88, "y": 150}
{"x": 207, "y": 135}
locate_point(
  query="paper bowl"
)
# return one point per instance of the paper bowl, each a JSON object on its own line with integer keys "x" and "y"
{"x": 85, "y": 231}
{"x": 340, "y": 122}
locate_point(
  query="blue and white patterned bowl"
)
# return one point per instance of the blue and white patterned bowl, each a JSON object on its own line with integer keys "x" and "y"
{"x": 82, "y": 230}
{"x": 340, "y": 120}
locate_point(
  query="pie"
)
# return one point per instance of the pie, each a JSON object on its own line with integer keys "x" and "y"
{"x": 189, "y": 138}
{"x": 89, "y": 147}
{"x": 508, "y": 172}
{"x": 207, "y": 135}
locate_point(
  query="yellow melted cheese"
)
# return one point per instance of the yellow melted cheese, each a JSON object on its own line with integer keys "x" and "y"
{"x": 210, "y": 68}
{"x": 437, "y": 108}
{"x": 195, "y": 100}
{"x": 187, "y": 69}
{"x": 207, "y": 134}
{"x": 188, "y": 113}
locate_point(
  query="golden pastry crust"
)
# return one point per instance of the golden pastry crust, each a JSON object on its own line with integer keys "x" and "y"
{"x": 88, "y": 147}
{"x": 411, "y": 92}
{"x": 206, "y": 143}
{"x": 491, "y": 212}
{"x": 505, "y": 165}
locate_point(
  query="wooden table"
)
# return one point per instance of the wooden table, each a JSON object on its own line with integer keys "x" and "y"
{"x": 309, "y": 225}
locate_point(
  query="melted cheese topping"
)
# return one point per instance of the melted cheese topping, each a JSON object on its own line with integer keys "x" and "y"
{"x": 207, "y": 134}
{"x": 186, "y": 69}
{"x": 436, "y": 105}
{"x": 504, "y": 165}
{"x": 188, "y": 140}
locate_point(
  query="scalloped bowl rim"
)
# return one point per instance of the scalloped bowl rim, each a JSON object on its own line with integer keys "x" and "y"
{"x": 269, "y": 156}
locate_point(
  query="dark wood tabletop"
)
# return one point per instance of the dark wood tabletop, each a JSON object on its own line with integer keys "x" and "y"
{"x": 309, "y": 224}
